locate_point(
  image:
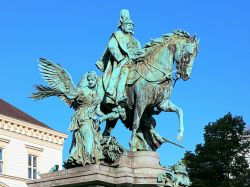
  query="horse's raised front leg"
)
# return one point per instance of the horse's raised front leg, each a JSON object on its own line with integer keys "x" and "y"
{"x": 167, "y": 106}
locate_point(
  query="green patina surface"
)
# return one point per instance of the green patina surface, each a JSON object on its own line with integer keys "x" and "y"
{"x": 174, "y": 176}
{"x": 136, "y": 85}
{"x": 86, "y": 147}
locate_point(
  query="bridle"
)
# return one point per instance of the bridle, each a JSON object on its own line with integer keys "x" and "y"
{"x": 182, "y": 64}
{"x": 181, "y": 67}
{"x": 166, "y": 76}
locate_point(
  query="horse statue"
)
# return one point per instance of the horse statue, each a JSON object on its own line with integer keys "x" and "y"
{"x": 149, "y": 87}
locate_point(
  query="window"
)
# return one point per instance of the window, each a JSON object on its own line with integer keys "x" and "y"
{"x": 32, "y": 167}
{"x": 1, "y": 160}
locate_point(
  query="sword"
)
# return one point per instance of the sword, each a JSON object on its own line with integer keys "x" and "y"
{"x": 166, "y": 140}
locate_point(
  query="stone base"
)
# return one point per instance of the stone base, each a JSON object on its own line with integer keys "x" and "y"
{"x": 135, "y": 169}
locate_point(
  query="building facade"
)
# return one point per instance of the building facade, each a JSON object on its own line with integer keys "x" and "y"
{"x": 27, "y": 147}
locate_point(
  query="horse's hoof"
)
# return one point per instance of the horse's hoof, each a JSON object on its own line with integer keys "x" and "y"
{"x": 179, "y": 137}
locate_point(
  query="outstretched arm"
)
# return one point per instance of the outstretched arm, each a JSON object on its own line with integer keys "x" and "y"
{"x": 98, "y": 111}
{"x": 117, "y": 112}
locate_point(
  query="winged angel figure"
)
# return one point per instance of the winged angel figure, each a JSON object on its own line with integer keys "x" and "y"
{"x": 86, "y": 145}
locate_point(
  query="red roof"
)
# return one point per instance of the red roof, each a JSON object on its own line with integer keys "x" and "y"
{"x": 9, "y": 110}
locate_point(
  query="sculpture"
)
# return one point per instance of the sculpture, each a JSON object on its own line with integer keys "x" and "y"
{"x": 150, "y": 82}
{"x": 86, "y": 144}
{"x": 136, "y": 85}
{"x": 175, "y": 176}
{"x": 122, "y": 49}
{"x": 54, "y": 168}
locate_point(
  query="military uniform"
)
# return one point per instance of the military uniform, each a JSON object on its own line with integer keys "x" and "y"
{"x": 122, "y": 49}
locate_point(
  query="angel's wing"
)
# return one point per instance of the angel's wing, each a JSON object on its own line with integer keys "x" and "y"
{"x": 57, "y": 77}
{"x": 59, "y": 80}
{"x": 44, "y": 92}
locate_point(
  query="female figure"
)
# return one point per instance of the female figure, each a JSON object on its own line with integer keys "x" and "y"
{"x": 86, "y": 143}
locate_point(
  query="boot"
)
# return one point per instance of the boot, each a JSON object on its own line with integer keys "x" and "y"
{"x": 114, "y": 78}
{"x": 120, "y": 97}
{"x": 113, "y": 82}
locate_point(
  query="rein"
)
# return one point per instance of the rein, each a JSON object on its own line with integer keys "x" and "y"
{"x": 159, "y": 80}
{"x": 179, "y": 69}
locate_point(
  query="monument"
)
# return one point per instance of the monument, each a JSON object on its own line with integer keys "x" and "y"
{"x": 136, "y": 84}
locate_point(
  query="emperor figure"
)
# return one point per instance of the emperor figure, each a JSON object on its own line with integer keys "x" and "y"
{"x": 122, "y": 49}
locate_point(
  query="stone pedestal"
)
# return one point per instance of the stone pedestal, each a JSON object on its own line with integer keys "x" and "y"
{"x": 135, "y": 169}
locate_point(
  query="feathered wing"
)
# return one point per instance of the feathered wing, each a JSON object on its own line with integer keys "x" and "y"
{"x": 59, "y": 81}
{"x": 44, "y": 91}
{"x": 56, "y": 76}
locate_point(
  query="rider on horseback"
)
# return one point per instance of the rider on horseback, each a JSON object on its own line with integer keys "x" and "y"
{"x": 122, "y": 49}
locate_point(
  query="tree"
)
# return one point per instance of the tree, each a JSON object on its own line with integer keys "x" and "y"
{"x": 220, "y": 161}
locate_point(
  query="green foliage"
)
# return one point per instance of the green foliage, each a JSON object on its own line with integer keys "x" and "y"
{"x": 220, "y": 161}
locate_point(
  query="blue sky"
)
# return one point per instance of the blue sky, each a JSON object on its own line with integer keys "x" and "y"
{"x": 75, "y": 33}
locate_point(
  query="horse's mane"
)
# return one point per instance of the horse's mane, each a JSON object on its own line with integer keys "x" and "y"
{"x": 153, "y": 45}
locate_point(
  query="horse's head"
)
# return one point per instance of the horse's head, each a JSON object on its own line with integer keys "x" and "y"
{"x": 159, "y": 54}
{"x": 186, "y": 49}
